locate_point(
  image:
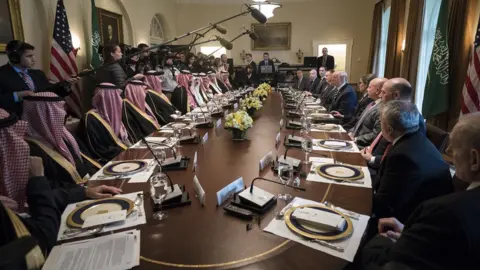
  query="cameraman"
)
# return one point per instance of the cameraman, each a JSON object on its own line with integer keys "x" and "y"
{"x": 144, "y": 63}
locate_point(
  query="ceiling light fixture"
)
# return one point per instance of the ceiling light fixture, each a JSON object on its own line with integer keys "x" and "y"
{"x": 265, "y": 7}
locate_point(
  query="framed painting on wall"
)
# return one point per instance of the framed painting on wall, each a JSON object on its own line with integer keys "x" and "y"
{"x": 10, "y": 22}
{"x": 272, "y": 36}
{"x": 111, "y": 26}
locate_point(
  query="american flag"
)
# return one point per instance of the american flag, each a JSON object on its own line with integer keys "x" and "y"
{"x": 62, "y": 64}
{"x": 471, "y": 88}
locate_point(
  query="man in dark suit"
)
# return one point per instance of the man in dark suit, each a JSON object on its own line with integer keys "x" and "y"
{"x": 250, "y": 62}
{"x": 344, "y": 99}
{"x": 413, "y": 170}
{"x": 442, "y": 233}
{"x": 328, "y": 89}
{"x": 301, "y": 83}
{"x": 367, "y": 126}
{"x": 326, "y": 60}
{"x": 266, "y": 63}
{"x": 18, "y": 79}
{"x": 393, "y": 89}
{"x": 364, "y": 101}
{"x": 314, "y": 83}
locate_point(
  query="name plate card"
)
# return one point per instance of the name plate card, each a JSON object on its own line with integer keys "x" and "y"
{"x": 195, "y": 161}
{"x": 219, "y": 122}
{"x": 277, "y": 139}
{"x": 281, "y": 123}
{"x": 105, "y": 218}
{"x": 205, "y": 138}
{"x": 266, "y": 160}
{"x": 199, "y": 192}
{"x": 229, "y": 190}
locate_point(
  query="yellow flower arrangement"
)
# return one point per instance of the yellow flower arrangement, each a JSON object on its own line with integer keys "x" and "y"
{"x": 260, "y": 93}
{"x": 238, "y": 120}
{"x": 251, "y": 103}
{"x": 266, "y": 87}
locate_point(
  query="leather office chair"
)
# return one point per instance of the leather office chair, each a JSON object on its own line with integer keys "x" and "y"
{"x": 438, "y": 137}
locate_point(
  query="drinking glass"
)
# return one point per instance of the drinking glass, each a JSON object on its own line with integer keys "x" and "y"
{"x": 160, "y": 154}
{"x": 159, "y": 190}
{"x": 285, "y": 175}
{"x": 307, "y": 148}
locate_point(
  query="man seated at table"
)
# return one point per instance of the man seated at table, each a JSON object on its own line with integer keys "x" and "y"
{"x": 367, "y": 127}
{"x": 299, "y": 82}
{"x": 161, "y": 107}
{"x": 344, "y": 100}
{"x": 413, "y": 170}
{"x": 137, "y": 116}
{"x": 441, "y": 233}
{"x": 393, "y": 89}
{"x": 106, "y": 136}
{"x": 363, "y": 102}
{"x": 326, "y": 95}
{"x": 48, "y": 138}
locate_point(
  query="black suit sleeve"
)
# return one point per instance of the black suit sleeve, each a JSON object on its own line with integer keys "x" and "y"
{"x": 392, "y": 192}
{"x": 66, "y": 196}
{"x": 6, "y": 98}
{"x": 45, "y": 216}
{"x": 42, "y": 83}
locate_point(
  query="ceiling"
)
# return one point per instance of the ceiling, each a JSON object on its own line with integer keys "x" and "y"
{"x": 239, "y": 2}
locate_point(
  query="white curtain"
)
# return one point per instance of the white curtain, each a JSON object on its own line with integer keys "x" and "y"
{"x": 382, "y": 54}
{"x": 430, "y": 18}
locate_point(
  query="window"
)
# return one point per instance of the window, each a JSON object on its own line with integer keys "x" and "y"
{"x": 382, "y": 54}
{"x": 430, "y": 18}
{"x": 209, "y": 49}
{"x": 339, "y": 51}
{"x": 157, "y": 35}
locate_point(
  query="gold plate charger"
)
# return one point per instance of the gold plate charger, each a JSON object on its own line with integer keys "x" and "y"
{"x": 326, "y": 127}
{"x": 310, "y": 232}
{"x": 125, "y": 167}
{"x": 78, "y": 216}
{"x": 340, "y": 172}
{"x": 334, "y": 145}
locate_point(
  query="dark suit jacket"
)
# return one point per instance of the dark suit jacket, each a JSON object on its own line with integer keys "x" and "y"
{"x": 254, "y": 65}
{"x": 304, "y": 84}
{"x": 362, "y": 104}
{"x": 346, "y": 102}
{"x": 368, "y": 126}
{"x": 10, "y": 82}
{"x": 412, "y": 172}
{"x": 253, "y": 80}
{"x": 262, "y": 64}
{"x": 321, "y": 86}
{"x": 442, "y": 233}
{"x": 330, "y": 64}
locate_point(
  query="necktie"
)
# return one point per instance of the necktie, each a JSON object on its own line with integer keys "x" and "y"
{"x": 28, "y": 80}
{"x": 299, "y": 82}
{"x": 386, "y": 151}
{"x": 374, "y": 143}
{"x": 337, "y": 91}
{"x": 324, "y": 61}
{"x": 360, "y": 121}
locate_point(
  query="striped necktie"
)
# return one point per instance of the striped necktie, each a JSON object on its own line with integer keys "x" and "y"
{"x": 28, "y": 80}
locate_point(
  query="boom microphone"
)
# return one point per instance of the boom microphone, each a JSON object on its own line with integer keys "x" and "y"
{"x": 252, "y": 35}
{"x": 220, "y": 28}
{"x": 257, "y": 14}
{"x": 225, "y": 43}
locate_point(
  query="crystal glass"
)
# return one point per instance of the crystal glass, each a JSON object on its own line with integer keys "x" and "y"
{"x": 285, "y": 175}
{"x": 159, "y": 190}
{"x": 160, "y": 154}
{"x": 307, "y": 148}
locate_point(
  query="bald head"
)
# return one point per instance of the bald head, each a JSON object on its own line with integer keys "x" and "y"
{"x": 396, "y": 89}
{"x": 465, "y": 146}
{"x": 375, "y": 87}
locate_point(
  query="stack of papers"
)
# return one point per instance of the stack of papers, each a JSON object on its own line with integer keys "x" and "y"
{"x": 366, "y": 182}
{"x": 116, "y": 251}
{"x": 350, "y": 245}
{"x": 134, "y": 219}
{"x": 354, "y": 148}
{"x": 140, "y": 177}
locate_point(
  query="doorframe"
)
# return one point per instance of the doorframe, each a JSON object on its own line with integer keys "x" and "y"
{"x": 349, "y": 42}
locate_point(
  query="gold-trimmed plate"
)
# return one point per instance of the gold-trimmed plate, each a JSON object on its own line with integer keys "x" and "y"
{"x": 311, "y": 233}
{"x": 125, "y": 167}
{"x": 340, "y": 172}
{"x": 325, "y": 127}
{"x": 341, "y": 145}
{"x": 78, "y": 216}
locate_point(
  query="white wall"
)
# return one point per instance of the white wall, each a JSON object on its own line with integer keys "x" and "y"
{"x": 319, "y": 20}
{"x": 38, "y": 20}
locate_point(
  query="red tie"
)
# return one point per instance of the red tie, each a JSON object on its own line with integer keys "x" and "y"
{"x": 28, "y": 80}
{"x": 374, "y": 143}
{"x": 386, "y": 151}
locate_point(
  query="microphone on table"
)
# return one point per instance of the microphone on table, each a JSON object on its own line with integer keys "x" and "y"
{"x": 225, "y": 43}
{"x": 275, "y": 182}
{"x": 220, "y": 28}
{"x": 257, "y": 14}
{"x": 158, "y": 161}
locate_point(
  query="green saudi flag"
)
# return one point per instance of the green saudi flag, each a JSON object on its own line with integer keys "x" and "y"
{"x": 435, "y": 99}
{"x": 96, "y": 60}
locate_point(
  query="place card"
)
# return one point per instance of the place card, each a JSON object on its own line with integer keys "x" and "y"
{"x": 205, "y": 138}
{"x": 229, "y": 190}
{"x": 219, "y": 122}
{"x": 235, "y": 106}
{"x": 281, "y": 123}
{"x": 195, "y": 161}
{"x": 199, "y": 192}
{"x": 266, "y": 160}
{"x": 277, "y": 139}
{"x": 106, "y": 218}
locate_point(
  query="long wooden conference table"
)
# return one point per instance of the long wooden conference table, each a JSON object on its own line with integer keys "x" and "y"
{"x": 206, "y": 237}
